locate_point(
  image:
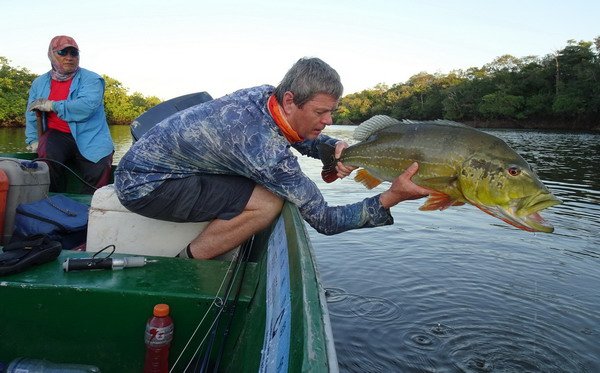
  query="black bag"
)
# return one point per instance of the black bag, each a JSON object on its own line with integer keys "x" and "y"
{"x": 59, "y": 217}
{"x": 18, "y": 256}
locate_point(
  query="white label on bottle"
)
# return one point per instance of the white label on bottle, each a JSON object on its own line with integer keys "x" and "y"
{"x": 157, "y": 337}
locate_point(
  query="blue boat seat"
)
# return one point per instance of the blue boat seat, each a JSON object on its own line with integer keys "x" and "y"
{"x": 150, "y": 118}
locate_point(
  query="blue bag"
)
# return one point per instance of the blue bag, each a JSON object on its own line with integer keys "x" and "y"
{"x": 61, "y": 218}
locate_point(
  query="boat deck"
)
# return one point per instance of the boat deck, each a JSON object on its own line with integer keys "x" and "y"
{"x": 105, "y": 310}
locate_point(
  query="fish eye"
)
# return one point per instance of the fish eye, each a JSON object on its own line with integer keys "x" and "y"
{"x": 514, "y": 171}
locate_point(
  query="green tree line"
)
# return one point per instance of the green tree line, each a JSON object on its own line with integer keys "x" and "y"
{"x": 558, "y": 91}
{"x": 121, "y": 107}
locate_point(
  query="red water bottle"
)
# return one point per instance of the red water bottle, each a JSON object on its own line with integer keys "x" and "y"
{"x": 158, "y": 337}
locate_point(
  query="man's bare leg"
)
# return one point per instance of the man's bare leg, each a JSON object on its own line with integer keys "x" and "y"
{"x": 221, "y": 236}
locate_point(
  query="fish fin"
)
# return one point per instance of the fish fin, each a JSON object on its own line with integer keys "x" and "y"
{"x": 327, "y": 155}
{"x": 363, "y": 176}
{"x": 372, "y": 125}
{"x": 439, "y": 201}
{"x": 443, "y": 122}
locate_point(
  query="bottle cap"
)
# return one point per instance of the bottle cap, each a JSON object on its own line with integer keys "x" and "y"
{"x": 161, "y": 310}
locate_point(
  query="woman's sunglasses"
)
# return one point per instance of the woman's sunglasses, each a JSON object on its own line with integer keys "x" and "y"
{"x": 72, "y": 51}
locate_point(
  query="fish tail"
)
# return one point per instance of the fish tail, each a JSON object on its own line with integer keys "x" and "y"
{"x": 327, "y": 155}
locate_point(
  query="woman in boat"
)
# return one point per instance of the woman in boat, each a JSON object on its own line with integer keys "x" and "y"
{"x": 75, "y": 128}
{"x": 229, "y": 161}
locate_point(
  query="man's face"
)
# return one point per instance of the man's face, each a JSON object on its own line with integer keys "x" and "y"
{"x": 314, "y": 115}
{"x": 68, "y": 59}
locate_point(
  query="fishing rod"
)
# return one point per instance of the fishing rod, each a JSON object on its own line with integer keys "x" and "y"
{"x": 67, "y": 168}
{"x": 200, "y": 323}
{"x": 232, "y": 308}
{"x": 40, "y": 118}
{"x": 240, "y": 259}
{"x": 216, "y": 302}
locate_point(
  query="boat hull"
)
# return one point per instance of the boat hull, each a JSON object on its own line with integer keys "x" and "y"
{"x": 98, "y": 317}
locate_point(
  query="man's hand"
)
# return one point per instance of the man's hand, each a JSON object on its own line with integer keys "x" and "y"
{"x": 342, "y": 171}
{"x": 403, "y": 189}
{"x": 41, "y": 104}
{"x": 32, "y": 147}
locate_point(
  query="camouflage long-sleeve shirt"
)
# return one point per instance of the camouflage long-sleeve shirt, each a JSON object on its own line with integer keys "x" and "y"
{"x": 236, "y": 135}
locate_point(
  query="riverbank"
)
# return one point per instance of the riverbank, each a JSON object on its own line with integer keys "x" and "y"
{"x": 535, "y": 125}
{"x": 530, "y": 124}
{"x": 490, "y": 124}
{"x": 21, "y": 125}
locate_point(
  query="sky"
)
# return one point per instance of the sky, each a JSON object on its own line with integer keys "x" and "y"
{"x": 174, "y": 47}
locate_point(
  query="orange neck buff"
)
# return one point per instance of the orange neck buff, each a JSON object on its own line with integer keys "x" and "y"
{"x": 289, "y": 133}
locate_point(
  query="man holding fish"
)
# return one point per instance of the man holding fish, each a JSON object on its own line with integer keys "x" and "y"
{"x": 228, "y": 161}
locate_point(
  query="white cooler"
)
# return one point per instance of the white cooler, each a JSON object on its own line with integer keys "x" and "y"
{"x": 112, "y": 224}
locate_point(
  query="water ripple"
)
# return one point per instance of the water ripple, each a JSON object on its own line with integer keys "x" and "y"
{"x": 365, "y": 307}
{"x": 421, "y": 340}
{"x": 500, "y": 349}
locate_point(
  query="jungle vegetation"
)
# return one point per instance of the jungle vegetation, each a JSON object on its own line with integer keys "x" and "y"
{"x": 560, "y": 90}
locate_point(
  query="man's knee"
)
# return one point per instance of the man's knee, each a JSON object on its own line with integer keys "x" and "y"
{"x": 275, "y": 206}
{"x": 266, "y": 202}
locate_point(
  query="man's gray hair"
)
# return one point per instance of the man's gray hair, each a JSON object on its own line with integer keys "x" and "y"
{"x": 308, "y": 77}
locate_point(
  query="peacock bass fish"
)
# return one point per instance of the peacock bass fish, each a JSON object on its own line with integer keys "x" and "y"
{"x": 458, "y": 163}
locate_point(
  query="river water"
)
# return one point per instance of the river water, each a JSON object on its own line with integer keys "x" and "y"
{"x": 458, "y": 290}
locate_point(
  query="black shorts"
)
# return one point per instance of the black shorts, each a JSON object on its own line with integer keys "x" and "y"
{"x": 196, "y": 198}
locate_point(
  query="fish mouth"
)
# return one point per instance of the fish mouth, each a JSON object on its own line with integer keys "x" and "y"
{"x": 524, "y": 214}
